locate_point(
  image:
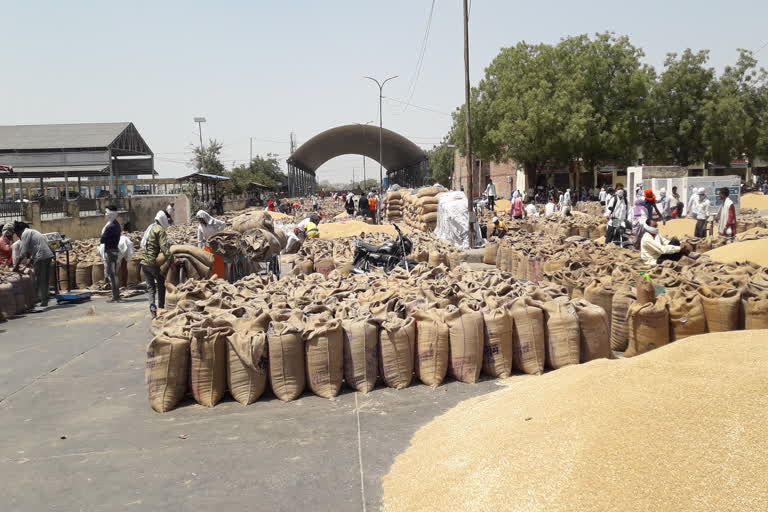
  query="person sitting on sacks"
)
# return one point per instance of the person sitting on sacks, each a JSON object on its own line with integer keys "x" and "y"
{"x": 530, "y": 209}
{"x": 308, "y": 228}
{"x": 655, "y": 249}
{"x": 154, "y": 242}
{"x": 499, "y": 228}
{"x": 549, "y": 210}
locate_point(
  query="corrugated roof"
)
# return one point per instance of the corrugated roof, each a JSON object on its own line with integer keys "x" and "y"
{"x": 195, "y": 176}
{"x": 59, "y": 136}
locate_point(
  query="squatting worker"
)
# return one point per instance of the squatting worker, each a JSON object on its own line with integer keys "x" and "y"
{"x": 726, "y": 215}
{"x": 490, "y": 191}
{"x": 6, "y": 241}
{"x": 110, "y": 238}
{"x": 701, "y": 211}
{"x": 35, "y": 246}
{"x": 655, "y": 249}
{"x": 155, "y": 241}
{"x": 499, "y": 229}
{"x": 549, "y": 210}
{"x": 206, "y": 227}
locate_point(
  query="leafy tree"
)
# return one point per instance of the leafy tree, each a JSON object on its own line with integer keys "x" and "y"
{"x": 441, "y": 159}
{"x": 608, "y": 86}
{"x": 265, "y": 170}
{"x": 369, "y": 184}
{"x": 208, "y": 160}
{"x": 735, "y": 114}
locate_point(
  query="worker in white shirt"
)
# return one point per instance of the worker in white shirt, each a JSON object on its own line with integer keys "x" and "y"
{"x": 693, "y": 203}
{"x": 608, "y": 199}
{"x": 549, "y": 210}
{"x": 601, "y": 196}
{"x": 655, "y": 249}
{"x": 490, "y": 191}
{"x": 702, "y": 213}
{"x": 665, "y": 205}
{"x": 170, "y": 211}
{"x": 530, "y": 209}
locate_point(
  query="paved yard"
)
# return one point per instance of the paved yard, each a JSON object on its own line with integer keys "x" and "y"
{"x": 78, "y": 433}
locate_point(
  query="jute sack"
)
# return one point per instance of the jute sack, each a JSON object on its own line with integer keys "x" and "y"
{"x": 497, "y": 343}
{"x": 648, "y": 327}
{"x": 361, "y": 353}
{"x": 504, "y": 258}
{"x": 324, "y": 266}
{"x": 286, "y": 359}
{"x": 247, "y": 355}
{"x": 721, "y": 308}
{"x": 595, "y": 333}
{"x": 84, "y": 274}
{"x": 755, "y": 305}
{"x": 432, "y": 346}
{"x": 398, "y": 338}
{"x": 97, "y": 272}
{"x": 436, "y": 258}
{"x": 645, "y": 291}
{"x": 206, "y": 258}
{"x": 208, "y": 378}
{"x": 253, "y": 220}
{"x": 134, "y": 272}
{"x": 528, "y": 339}
{"x": 466, "y": 333}
{"x": 562, "y": 335}
{"x": 167, "y": 370}
{"x": 600, "y": 293}
{"x": 324, "y": 348}
{"x": 619, "y": 322}
{"x": 686, "y": 316}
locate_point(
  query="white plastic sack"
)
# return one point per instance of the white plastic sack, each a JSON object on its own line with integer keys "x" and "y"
{"x": 453, "y": 220}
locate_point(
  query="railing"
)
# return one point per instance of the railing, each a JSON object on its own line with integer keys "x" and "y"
{"x": 53, "y": 209}
{"x": 11, "y": 210}
{"x": 88, "y": 207}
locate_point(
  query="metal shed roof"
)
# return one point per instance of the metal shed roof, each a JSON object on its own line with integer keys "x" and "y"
{"x": 60, "y": 136}
{"x": 201, "y": 177}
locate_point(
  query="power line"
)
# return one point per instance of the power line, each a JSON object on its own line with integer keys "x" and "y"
{"x": 420, "y": 61}
{"x": 758, "y": 50}
{"x": 418, "y": 107}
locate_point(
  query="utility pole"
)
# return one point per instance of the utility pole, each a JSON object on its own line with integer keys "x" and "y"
{"x": 353, "y": 178}
{"x": 470, "y": 192}
{"x": 250, "y": 154}
{"x": 381, "y": 129}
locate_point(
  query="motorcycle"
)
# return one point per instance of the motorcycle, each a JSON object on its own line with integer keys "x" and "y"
{"x": 386, "y": 256}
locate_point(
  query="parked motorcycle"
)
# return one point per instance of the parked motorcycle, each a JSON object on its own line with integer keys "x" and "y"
{"x": 386, "y": 256}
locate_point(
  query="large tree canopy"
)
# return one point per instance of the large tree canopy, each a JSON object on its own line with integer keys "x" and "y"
{"x": 264, "y": 170}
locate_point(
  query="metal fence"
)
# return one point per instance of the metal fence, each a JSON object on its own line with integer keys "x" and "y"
{"x": 88, "y": 207}
{"x": 10, "y": 211}
{"x": 53, "y": 209}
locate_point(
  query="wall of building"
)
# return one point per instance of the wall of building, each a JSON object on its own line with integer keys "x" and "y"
{"x": 231, "y": 205}
{"x": 144, "y": 208}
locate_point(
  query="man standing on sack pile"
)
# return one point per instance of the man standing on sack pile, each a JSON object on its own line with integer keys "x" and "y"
{"x": 110, "y": 239}
{"x": 34, "y": 245}
{"x": 490, "y": 191}
{"x": 620, "y": 216}
{"x": 155, "y": 241}
{"x": 726, "y": 215}
{"x": 700, "y": 211}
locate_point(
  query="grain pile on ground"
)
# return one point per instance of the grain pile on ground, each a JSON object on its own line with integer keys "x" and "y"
{"x": 333, "y": 230}
{"x": 755, "y": 251}
{"x": 593, "y": 208}
{"x": 678, "y": 228}
{"x": 756, "y": 200}
{"x": 681, "y": 428}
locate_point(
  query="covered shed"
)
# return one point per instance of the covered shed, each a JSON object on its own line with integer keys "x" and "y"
{"x": 74, "y": 151}
{"x": 208, "y": 187}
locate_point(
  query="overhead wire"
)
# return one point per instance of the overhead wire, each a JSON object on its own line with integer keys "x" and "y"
{"x": 420, "y": 60}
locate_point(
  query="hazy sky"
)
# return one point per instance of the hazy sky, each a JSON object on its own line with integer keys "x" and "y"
{"x": 265, "y": 68}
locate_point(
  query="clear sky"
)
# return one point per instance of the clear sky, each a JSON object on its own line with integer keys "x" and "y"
{"x": 265, "y": 68}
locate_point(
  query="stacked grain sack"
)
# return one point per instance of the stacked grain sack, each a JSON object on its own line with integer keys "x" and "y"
{"x": 421, "y": 207}
{"x": 393, "y": 205}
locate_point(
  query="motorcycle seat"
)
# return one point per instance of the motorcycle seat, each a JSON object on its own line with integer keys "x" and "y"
{"x": 368, "y": 247}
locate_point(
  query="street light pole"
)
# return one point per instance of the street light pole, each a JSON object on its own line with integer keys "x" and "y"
{"x": 200, "y": 121}
{"x": 470, "y": 166}
{"x": 381, "y": 129}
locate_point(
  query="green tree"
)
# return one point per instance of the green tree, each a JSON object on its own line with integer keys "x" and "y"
{"x": 262, "y": 169}
{"x": 674, "y": 115}
{"x": 208, "y": 159}
{"x": 441, "y": 159}
{"x": 608, "y": 86}
{"x": 735, "y": 115}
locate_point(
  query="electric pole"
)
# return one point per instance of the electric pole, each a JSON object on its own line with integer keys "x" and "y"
{"x": 470, "y": 192}
{"x": 200, "y": 121}
{"x": 250, "y": 155}
{"x": 381, "y": 129}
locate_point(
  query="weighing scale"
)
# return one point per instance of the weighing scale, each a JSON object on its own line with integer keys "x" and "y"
{"x": 61, "y": 244}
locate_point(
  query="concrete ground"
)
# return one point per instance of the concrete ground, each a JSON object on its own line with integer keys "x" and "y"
{"x": 78, "y": 433}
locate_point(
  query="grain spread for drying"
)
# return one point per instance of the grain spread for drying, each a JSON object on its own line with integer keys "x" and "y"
{"x": 679, "y": 428}
{"x": 755, "y": 251}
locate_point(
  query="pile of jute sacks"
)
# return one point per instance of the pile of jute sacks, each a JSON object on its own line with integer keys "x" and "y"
{"x": 417, "y": 208}
{"x": 317, "y": 332}
{"x": 392, "y": 205}
{"x": 17, "y": 294}
{"x": 692, "y": 296}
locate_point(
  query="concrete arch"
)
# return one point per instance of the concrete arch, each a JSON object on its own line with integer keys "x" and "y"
{"x": 398, "y": 151}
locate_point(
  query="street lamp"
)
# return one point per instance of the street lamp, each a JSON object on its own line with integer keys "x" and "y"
{"x": 200, "y": 121}
{"x": 381, "y": 156}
